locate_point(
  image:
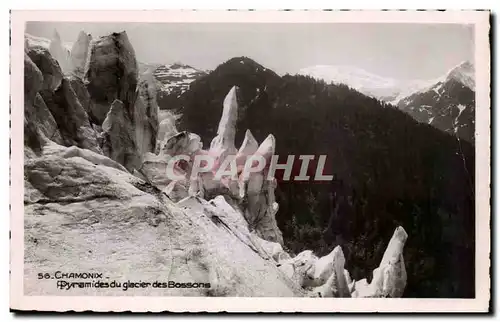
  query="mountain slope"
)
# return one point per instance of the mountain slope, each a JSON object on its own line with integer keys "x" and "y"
{"x": 388, "y": 170}
{"x": 202, "y": 101}
{"x": 448, "y": 104}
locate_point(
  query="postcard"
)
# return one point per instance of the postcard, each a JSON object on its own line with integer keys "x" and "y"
{"x": 250, "y": 161}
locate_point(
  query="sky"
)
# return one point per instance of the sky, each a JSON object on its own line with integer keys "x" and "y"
{"x": 399, "y": 51}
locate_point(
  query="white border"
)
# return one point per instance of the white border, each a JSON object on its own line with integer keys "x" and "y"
{"x": 189, "y": 304}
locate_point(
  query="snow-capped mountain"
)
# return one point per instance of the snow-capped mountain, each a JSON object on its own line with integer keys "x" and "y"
{"x": 383, "y": 88}
{"x": 176, "y": 77}
{"x": 448, "y": 104}
{"x": 463, "y": 73}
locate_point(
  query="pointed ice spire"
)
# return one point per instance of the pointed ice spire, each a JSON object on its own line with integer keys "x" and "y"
{"x": 333, "y": 283}
{"x": 339, "y": 262}
{"x": 82, "y": 43}
{"x": 252, "y": 182}
{"x": 223, "y": 143}
{"x": 79, "y": 53}
{"x": 58, "y": 52}
{"x": 389, "y": 279}
{"x": 395, "y": 247}
{"x": 56, "y": 36}
{"x": 249, "y": 145}
{"x": 266, "y": 148}
{"x": 247, "y": 149}
{"x": 325, "y": 266}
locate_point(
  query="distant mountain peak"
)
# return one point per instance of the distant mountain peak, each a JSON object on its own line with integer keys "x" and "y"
{"x": 175, "y": 77}
{"x": 384, "y": 88}
{"x": 448, "y": 104}
{"x": 243, "y": 61}
{"x": 464, "y": 73}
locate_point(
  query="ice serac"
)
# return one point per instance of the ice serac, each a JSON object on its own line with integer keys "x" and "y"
{"x": 57, "y": 104}
{"x": 389, "y": 279}
{"x": 119, "y": 137}
{"x": 83, "y": 96}
{"x": 329, "y": 273}
{"x": 146, "y": 116}
{"x": 112, "y": 82}
{"x": 249, "y": 145}
{"x": 48, "y": 66}
{"x": 392, "y": 266}
{"x": 223, "y": 144}
{"x": 247, "y": 149}
{"x": 53, "y": 149}
{"x": 79, "y": 53}
{"x": 154, "y": 169}
{"x": 71, "y": 118}
{"x": 166, "y": 129}
{"x": 59, "y": 52}
{"x": 33, "y": 80}
{"x": 38, "y": 121}
{"x": 111, "y": 73}
{"x": 154, "y": 166}
{"x": 258, "y": 190}
{"x": 41, "y": 117}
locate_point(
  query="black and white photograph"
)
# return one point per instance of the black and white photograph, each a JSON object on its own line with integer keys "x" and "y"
{"x": 235, "y": 159}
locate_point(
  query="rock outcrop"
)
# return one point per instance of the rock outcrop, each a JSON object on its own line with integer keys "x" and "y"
{"x": 111, "y": 73}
